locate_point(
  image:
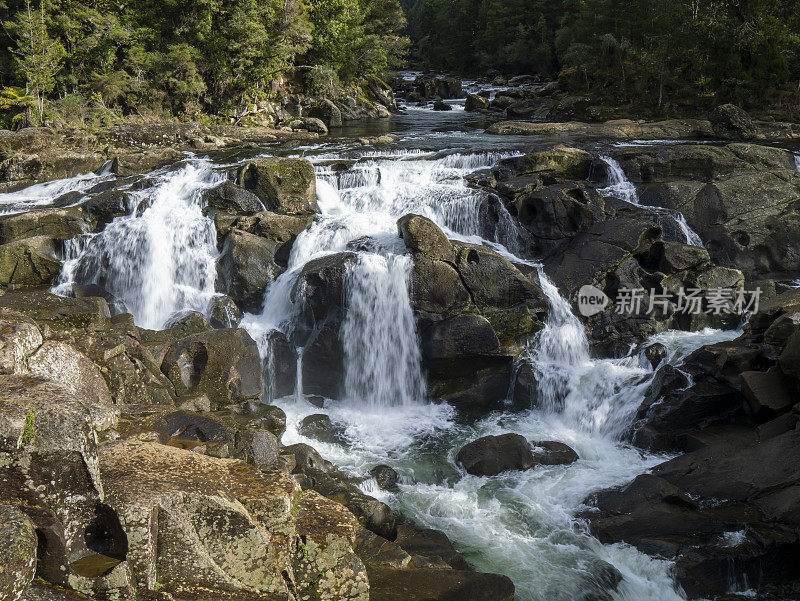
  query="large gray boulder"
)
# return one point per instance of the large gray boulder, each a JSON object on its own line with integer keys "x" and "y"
{"x": 284, "y": 185}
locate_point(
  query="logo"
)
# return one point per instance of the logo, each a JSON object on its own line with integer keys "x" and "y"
{"x": 591, "y": 301}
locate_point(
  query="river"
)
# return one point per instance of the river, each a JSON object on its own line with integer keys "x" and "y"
{"x": 161, "y": 260}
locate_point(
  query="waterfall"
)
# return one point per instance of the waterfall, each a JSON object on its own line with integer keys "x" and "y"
{"x": 797, "y": 160}
{"x": 160, "y": 258}
{"x": 621, "y": 187}
{"x": 618, "y": 184}
{"x": 381, "y": 349}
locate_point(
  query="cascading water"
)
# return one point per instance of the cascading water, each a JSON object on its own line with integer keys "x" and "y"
{"x": 53, "y": 193}
{"x": 160, "y": 258}
{"x": 381, "y": 351}
{"x": 520, "y": 524}
{"x": 620, "y": 187}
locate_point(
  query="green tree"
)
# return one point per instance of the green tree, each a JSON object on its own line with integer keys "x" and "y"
{"x": 38, "y": 57}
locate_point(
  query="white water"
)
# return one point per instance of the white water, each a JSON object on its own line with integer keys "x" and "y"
{"x": 797, "y": 160}
{"x": 42, "y": 195}
{"x": 159, "y": 259}
{"x": 381, "y": 350}
{"x": 621, "y": 187}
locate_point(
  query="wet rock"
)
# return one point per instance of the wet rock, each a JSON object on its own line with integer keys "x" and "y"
{"x": 29, "y": 263}
{"x": 223, "y": 364}
{"x": 224, "y": 313}
{"x": 246, "y": 267}
{"x": 281, "y": 366}
{"x": 476, "y": 103}
{"x": 491, "y": 455}
{"x": 231, "y": 198}
{"x": 284, "y": 185}
{"x": 429, "y": 548}
{"x": 440, "y": 105}
{"x": 549, "y": 452}
{"x": 182, "y": 427}
{"x": 17, "y": 553}
{"x": 56, "y": 223}
{"x": 321, "y": 428}
{"x": 386, "y": 477}
{"x": 104, "y": 207}
{"x": 423, "y": 236}
{"x": 320, "y": 286}
{"x": 306, "y": 458}
{"x": 323, "y": 361}
{"x": 655, "y": 354}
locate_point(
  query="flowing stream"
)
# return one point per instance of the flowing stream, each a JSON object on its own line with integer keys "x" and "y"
{"x": 160, "y": 259}
{"x": 673, "y": 222}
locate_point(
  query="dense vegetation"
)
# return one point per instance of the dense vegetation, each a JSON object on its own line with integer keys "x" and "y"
{"x": 187, "y": 56}
{"x": 745, "y": 51}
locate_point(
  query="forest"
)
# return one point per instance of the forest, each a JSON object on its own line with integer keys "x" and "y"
{"x": 188, "y": 59}
{"x": 744, "y": 51}
{"x": 190, "y": 56}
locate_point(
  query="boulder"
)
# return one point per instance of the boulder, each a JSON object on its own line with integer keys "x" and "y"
{"x": 326, "y": 111}
{"x": 491, "y": 455}
{"x": 17, "y": 553}
{"x": 192, "y": 494}
{"x": 61, "y": 224}
{"x": 224, "y": 313}
{"x": 549, "y": 452}
{"x": 284, "y": 185}
{"x": 315, "y": 125}
{"x": 246, "y": 267}
{"x": 222, "y": 364}
{"x": 441, "y": 105}
{"x": 423, "y": 236}
{"x": 29, "y": 263}
{"x": 475, "y": 103}
{"x": 732, "y": 123}
{"x": 107, "y": 205}
{"x": 230, "y": 198}
{"x": 386, "y": 477}
{"x": 769, "y": 393}
{"x": 321, "y": 428}
{"x": 423, "y": 584}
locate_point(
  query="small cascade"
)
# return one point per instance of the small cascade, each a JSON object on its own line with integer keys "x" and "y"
{"x": 558, "y": 350}
{"x": 381, "y": 349}
{"x": 159, "y": 259}
{"x": 54, "y": 194}
{"x": 797, "y": 160}
{"x": 673, "y": 222}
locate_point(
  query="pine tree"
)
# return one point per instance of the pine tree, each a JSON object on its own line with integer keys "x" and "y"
{"x": 38, "y": 57}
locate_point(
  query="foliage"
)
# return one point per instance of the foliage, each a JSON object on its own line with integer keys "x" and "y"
{"x": 191, "y": 56}
{"x": 658, "y": 51}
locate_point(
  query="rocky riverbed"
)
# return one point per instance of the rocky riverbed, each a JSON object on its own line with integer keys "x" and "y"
{"x": 232, "y": 371}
